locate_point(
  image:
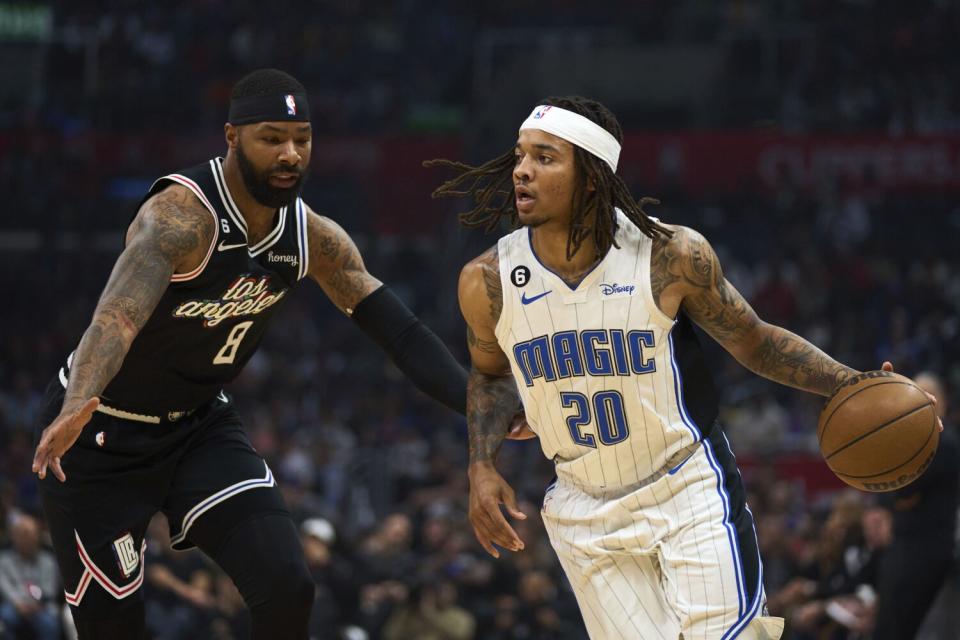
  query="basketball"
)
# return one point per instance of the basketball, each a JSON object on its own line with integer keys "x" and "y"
{"x": 878, "y": 432}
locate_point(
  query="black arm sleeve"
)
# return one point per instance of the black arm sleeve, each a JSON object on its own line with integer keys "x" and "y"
{"x": 416, "y": 350}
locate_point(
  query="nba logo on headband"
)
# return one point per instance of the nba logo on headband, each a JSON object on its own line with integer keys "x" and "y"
{"x": 542, "y": 111}
{"x": 577, "y": 130}
{"x": 291, "y": 105}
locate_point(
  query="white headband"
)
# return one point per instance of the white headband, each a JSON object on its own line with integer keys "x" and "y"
{"x": 576, "y": 130}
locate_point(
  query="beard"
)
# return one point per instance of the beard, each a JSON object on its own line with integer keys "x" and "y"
{"x": 258, "y": 183}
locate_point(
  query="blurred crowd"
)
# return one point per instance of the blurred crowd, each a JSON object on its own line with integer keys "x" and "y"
{"x": 382, "y": 66}
{"x": 374, "y": 472}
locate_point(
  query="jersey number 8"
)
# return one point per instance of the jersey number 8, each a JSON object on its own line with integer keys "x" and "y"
{"x": 228, "y": 352}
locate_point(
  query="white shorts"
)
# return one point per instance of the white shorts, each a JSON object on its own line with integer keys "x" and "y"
{"x": 677, "y": 556}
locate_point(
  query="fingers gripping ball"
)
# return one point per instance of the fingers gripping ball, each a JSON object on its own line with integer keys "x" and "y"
{"x": 878, "y": 432}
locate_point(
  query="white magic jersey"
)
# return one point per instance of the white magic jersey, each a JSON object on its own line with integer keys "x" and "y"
{"x": 594, "y": 364}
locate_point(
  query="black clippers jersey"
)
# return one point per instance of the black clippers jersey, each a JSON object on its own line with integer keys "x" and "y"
{"x": 210, "y": 321}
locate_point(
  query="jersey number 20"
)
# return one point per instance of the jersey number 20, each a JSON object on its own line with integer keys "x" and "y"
{"x": 608, "y": 410}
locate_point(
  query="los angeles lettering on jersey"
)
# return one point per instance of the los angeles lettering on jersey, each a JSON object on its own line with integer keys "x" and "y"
{"x": 245, "y": 297}
{"x": 596, "y": 352}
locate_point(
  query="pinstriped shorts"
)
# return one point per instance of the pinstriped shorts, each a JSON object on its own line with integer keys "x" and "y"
{"x": 676, "y": 556}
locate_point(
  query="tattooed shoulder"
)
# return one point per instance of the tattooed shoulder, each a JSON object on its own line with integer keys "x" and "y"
{"x": 685, "y": 258}
{"x": 479, "y": 290}
{"x": 325, "y": 239}
{"x": 489, "y": 263}
{"x": 178, "y": 224}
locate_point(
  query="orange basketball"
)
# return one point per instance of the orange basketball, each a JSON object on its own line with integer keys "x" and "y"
{"x": 878, "y": 432}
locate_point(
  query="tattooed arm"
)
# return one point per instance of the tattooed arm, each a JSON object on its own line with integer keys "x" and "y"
{"x": 685, "y": 273}
{"x": 336, "y": 264}
{"x": 491, "y": 391}
{"x": 491, "y": 404}
{"x": 172, "y": 233}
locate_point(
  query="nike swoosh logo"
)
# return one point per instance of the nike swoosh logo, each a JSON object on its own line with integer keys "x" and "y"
{"x": 227, "y": 247}
{"x": 525, "y": 300}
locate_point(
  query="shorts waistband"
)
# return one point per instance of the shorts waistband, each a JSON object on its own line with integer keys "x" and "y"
{"x": 168, "y": 417}
{"x": 671, "y": 466}
{"x": 171, "y": 416}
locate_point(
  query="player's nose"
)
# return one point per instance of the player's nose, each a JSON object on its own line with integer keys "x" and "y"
{"x": 289, "y": 153}
{"x": 523, "y": 170}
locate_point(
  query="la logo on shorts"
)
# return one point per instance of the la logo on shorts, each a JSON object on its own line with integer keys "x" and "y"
{"x": 126, "y": 552}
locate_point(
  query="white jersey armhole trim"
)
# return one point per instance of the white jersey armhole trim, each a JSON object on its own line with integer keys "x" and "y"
{"x": 656, "y": 313}
{"x": 506, "y": 309}
{"x": 195, "y": 188}
{"x": 302, "y": 239}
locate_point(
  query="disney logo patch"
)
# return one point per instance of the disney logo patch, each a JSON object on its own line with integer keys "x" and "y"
{"x": 617, "y": 289}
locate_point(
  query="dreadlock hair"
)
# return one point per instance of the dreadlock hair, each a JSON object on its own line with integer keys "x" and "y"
{"x": 491, "y": 187}
{"x": 266, "y": 82}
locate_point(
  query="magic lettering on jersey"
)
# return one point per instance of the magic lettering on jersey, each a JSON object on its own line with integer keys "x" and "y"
{"x": 245, "y": 297}
{"x": 591, "y": 352}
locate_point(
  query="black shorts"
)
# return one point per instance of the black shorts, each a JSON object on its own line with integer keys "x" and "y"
{"x": 121, "y": 471}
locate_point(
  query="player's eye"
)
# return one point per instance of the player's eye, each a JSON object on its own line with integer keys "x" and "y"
{"x": 272, "y": 140}
{"x": 545, "y": 159}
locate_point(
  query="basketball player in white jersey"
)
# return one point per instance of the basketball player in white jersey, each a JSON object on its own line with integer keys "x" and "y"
{"x": 585, "y": 309}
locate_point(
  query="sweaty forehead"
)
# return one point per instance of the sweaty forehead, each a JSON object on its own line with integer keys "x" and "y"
{"x": 536, "y": 139}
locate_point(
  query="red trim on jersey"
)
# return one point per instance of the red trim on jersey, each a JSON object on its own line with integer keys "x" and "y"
{"x": 195, "y": 188}
{"x": 75, "y": 597}
{"x": 117, "y": 592}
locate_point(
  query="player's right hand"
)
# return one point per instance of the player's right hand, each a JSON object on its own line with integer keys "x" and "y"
{"x": 488, "y": 490}
{"x": 60, "y": 436}
{"x": 888, "y": 366}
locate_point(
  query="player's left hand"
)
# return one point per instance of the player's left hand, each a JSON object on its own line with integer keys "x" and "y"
{"x": 60, "y": 436}
{"x": 488, "y": 490}
{"x": 888, "y": 366}
{"x": 519, "y": 429}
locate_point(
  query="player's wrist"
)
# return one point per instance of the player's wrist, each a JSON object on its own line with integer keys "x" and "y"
{"x": 481, "y": 467}
{"x": 72, "y": 404}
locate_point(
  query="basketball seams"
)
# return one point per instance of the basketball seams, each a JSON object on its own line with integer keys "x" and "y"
{"x": 903, "y": 464}
{"x": 876, "y": 429}
{"x": 822, "y": 430}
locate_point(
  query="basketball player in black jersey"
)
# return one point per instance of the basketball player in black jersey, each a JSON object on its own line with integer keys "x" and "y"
{"x": 138, "y": 421}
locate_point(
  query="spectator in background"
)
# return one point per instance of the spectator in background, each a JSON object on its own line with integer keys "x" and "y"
{"x": 387, "y": 553}
{"x": 539, "y": 598}
{"x": 830, "y": 571}
{"x": 333, "y": 574}
{"x": 181, "y": 598}
{"x": 924, "y": 514}
{"x": 431, "y": 612}
{"x": 29, "y": 583}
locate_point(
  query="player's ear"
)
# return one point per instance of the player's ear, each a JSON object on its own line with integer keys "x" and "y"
{"x": 232, "y": 135}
